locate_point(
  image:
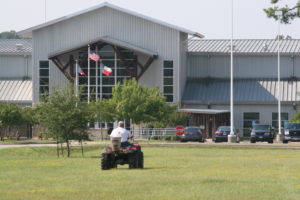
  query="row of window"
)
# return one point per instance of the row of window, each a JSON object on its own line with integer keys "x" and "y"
{"x": 107, "y": 82}
{"x": 249, "y": 117}
{"x": 168, "y": 84}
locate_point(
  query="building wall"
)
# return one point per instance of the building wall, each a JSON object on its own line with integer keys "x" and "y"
{"x": 107, "y": 22}
{"x": 183, "y": 43}
{"x": 251, "y": 66}
{"x": 15, "y": 66}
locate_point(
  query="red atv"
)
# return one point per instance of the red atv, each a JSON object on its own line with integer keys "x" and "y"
{"x": 115, "y": 155}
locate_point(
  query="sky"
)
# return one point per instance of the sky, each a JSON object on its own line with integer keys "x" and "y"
{"x": 211, "y": 18}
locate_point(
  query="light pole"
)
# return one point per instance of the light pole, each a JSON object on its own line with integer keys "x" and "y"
{"x": 231, "y": 137}
{"x": 279, "y": 135}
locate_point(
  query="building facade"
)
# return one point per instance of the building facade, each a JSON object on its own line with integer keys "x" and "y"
{"x": 194, "y": 73}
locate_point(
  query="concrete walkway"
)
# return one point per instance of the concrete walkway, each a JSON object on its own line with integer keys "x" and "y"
{"x": 245, "y": 144}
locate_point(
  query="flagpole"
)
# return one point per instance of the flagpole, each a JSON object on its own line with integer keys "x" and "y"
{"x": 76, "y": 78}
{"x": 231, "y": 137}
{"x": 89, "y": 80}
{"x": 96, "y": 74}
{"x": 101, "y": 65}
{"x": 45, "y": 11}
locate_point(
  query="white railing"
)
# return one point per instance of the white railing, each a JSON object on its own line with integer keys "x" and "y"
{"x": 153, "y": 132}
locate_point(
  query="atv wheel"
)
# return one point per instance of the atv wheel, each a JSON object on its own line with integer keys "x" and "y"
{"x": 106, "y": 161}
{"x": 270, "y": 141}
{"x": 134, "y": 160}
{"x": 252, "y": 140}
{"x": 141, "y": 160}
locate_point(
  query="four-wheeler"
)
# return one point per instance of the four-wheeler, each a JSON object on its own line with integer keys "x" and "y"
{"x": 262, "y": 133}
{"x": 116, "y": 155}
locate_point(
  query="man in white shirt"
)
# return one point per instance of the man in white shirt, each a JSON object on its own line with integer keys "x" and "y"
{"x": 120, "y": 131}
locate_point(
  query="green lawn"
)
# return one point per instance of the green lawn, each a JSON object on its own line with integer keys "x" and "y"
{"x": 196, "y": 172}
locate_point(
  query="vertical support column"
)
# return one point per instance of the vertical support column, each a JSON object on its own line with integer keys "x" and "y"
{"x": 89, "y": 73}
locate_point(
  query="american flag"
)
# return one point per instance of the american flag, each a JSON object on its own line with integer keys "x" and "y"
{"x": 93, "y": 56}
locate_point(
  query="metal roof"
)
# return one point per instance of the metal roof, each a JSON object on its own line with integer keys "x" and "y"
{"x": 245, "y": 91}
{"x": 16, "y": 91}
{"x": 15, "y": 46}
{"x": 203, "y": 111}
{"x": 27, "y": 32}
{"x": 108, "y": 40}
{"x": 244, "y": 46}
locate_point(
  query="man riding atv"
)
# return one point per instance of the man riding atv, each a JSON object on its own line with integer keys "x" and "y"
{"x": 120, "y": 131}
{"x": 121, "y": 151}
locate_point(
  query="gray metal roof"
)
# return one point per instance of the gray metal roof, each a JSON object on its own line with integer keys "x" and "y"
{"x": 15, "y": 46}
{"x": 108, "y": 40}
{"x": 29, "y": 31}
{"x": 16, "y": 91}
{"x": 245, "y": 91}
{"x": 244, "y": 46}
{"x": 203, "y": 111}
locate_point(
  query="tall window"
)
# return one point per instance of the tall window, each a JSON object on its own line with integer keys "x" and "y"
{"x": 284, "y": 117}
{"x": 44, "y": 78}
{"x": 168, "y": 80}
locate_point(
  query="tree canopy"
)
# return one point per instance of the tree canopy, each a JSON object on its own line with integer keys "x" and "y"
{"x": 64, "y": 115}
{"x": 131, "y": 100}
{"x": 9, "y": 35}
{"x": 289, "y": 12}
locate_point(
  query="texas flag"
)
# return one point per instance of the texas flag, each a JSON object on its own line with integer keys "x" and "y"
{"x": 80, "y": 71}
{"x": 107, "y": 71}
{"x": 93, "y": 56}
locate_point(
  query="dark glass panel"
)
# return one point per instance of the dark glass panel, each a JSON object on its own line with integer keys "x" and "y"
{"x": 168, "y": 72}
{"x": 168, "y": 81}
{"x": 168, "y": 64}
{"x": 44, "y": 72}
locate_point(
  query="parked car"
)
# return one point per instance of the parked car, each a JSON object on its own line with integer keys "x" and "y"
{"x": 291, "y": 132}
{"x": 221, "y": 134}
{"x": 263, "y": 133}
{"x": 192, "y": 133}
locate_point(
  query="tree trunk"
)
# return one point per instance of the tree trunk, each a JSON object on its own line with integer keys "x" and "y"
{"x": 82, "y": 149}
{"x": 68, "y": 147}
{"x": 62, "y": 149}
{"x": 57, "y": 148}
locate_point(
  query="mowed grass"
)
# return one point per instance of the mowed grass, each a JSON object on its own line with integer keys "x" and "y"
{"x": 179, "y": 172}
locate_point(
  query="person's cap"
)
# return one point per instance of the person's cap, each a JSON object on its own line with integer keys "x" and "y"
{"x": 121, "y": 123}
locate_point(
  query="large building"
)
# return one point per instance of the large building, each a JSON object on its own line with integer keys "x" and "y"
{"x": 191, "y": 72}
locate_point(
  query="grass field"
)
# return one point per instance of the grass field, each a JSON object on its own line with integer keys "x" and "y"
{"x": 194, "y": 172}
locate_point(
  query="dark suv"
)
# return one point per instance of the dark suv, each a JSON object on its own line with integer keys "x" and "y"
{"x": 192, "y": 133}
{"x": 262, "y": 133}
{"x": 291, "y": 132}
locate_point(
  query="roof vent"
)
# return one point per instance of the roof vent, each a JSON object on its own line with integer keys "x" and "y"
{"x": 233, "y": 47}
{"x": 266, "y": 47}
{"x": 19, "y": 46}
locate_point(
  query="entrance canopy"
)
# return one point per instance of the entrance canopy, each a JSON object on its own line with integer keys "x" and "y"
{"x": 134, "y": 67}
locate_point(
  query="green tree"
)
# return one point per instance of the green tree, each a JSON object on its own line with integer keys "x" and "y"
{"x": 131, "y": 100}
{"x": 64, "y": 115}
{"x": 9, "y": 35}
{"x": 288, "y": 12}
{"x": 10, "y": 115}
{"x": 139, "y": 103}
